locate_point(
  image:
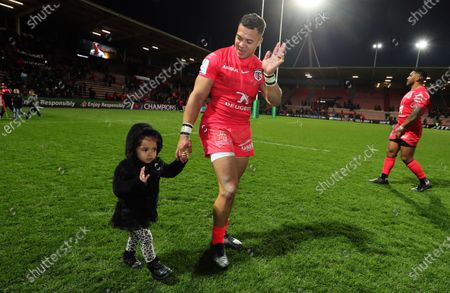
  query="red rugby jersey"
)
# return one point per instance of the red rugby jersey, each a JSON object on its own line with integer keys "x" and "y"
{"x": 236, "y": 84}
{"x": 417, "y": 98}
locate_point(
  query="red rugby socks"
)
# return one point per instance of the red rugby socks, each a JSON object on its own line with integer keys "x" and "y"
{"x": 387, "y": 166}
{"x": 218, "y": 233}
{"x": 414, "y": 166}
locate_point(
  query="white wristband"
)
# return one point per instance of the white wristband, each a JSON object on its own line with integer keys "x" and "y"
{"x": 270, "y": 80}
{"x": 186, "y": 129}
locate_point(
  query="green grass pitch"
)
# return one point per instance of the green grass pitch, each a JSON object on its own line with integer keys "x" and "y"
{"x": 353, "y": 237}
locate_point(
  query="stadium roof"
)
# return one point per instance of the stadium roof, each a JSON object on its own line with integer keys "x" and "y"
{"x": 365, "y": 76}
{"x": 86, "y": 17}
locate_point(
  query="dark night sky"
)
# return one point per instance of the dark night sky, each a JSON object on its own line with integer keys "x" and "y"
{"x": 344, "y": 39}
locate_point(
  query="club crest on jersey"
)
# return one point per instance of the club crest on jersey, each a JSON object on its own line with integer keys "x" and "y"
{"x": 258, "y": 74}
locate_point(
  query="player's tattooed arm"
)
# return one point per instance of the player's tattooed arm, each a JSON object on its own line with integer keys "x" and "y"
{"x": 416, "y": 114}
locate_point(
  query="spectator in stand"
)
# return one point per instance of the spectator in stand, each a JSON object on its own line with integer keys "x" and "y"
{"x": 92, "y": 94}
{"x": 180, "y": 104}
{"x": 425, "y": 122}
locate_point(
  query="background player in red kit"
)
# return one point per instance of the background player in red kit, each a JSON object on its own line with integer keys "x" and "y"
{"x": 5, "y": 96}
{"x": 406, "y": 134}
{"x": 233, "y": 76}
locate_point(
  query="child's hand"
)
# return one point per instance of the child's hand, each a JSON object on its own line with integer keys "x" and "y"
{"x": 184, "y": 157}
{"x": 142, "y": 175}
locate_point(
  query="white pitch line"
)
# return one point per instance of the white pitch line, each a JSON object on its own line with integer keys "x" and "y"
{"x": 292, "y": 146}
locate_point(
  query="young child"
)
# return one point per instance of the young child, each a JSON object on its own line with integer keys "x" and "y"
{"x": 136, "y": 185}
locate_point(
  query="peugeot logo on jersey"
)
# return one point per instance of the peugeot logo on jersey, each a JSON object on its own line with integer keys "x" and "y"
{"x": 244, "y": 98}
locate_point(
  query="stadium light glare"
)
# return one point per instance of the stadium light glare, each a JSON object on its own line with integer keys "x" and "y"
{"x": 97, "y": 34}
{"x": 355, "y": 76}
{"x": 182, "y": 59}
{"x": 309, "y": 4}
{"x": 389, "y": 77}
{"x": 421, "y": 45}
{"x": 146, "y": 49}
{"x": 106, "y": 32}
{"x": 7, "y": 6}
{"x": 191, "y": 59}
{"x": 376, "y": 46}
{"x": 16, "y": 2}
{"x": 82, "y": 56}
{"x": 155, "y": 47}
{"x": 308, "y": 75}
{"x": 428, "y": 78}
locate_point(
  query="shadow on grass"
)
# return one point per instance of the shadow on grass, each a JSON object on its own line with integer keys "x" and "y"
{"x": 435, "y": 211}
{"x": 198, "y": 262}
{"x": 437, "y": 182}
{"x": 440, "y": 182}
{"x": 278, "y": 242}
{"x": 269, "y": 244}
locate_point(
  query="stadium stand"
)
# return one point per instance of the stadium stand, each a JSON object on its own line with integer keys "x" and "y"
{"x": 49, "y": 62}
{"x": 356, "y": 92}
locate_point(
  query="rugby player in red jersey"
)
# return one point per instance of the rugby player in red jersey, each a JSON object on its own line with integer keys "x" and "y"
{"x": 233, "y": 76}
{"x": 407, "y": 133}
{"x": 6, "y": 100}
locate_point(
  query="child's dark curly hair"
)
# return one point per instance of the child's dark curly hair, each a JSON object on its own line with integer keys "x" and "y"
{"x": 137, "y": 134}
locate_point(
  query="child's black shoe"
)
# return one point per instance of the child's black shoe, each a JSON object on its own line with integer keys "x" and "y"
{"x": 159, "y": 270}
{"x": 129, "y": 258}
